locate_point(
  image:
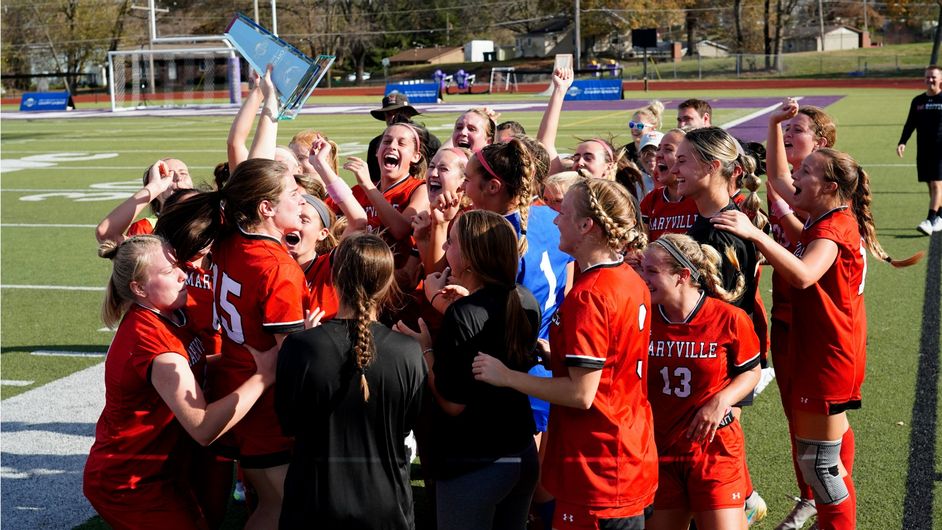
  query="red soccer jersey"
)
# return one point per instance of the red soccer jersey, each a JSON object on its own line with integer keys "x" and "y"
{"x": 137, "y": 440}
{"x": 664, "y": 216}
{"x": 398, "y": 195}
{"x": 142, "y": 226}
{"x": 322, "y": 294}
{"x": 781, "y": 290}
{"x": 259, "y": 291}
{"x": 199, "y": 307}
{"x": 604, "y": 456}
{"x": 690, "y": 361}
{"x": 829, "y": 320}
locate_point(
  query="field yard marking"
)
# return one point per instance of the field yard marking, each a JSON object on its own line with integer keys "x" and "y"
{"x": 47, "y": 432}
{"x": 53, "y": 287}
{"x": 747, "y": 117}
{"x": 66, "y": 353}
{"x": 14, "y": 382}
{"x": 42, "y": 225}
{"x": 921, "y": 477}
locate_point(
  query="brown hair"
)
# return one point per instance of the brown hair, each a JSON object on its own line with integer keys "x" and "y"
{"x": 311, "y": 186}
{"x": 853, "y": 186}
{"x": 362, "y": 270}
{"x": 614, "y": 211}
{"x": 514, "y": 164}
{"x": 305, "y": 139}
{"x": 128, "y": 261}
{"x": 823, "y": 125}
{"x": 708, "y": 262}
{"x": 416, "y": 169}
{"x": 702, "y": 107}
{"x": 195, "y": 222}
{"x": 751, "y": 182}
{"x": 488, "y": 244}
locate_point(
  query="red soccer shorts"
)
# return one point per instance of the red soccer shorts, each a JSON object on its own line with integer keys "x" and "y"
{"x": 578, "y": 517}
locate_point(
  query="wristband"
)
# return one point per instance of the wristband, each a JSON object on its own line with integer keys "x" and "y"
{"x": 434, "y": 296}
{"x": 428, "y": 350}
{"x": 780, "y": 208}
{"x": 339, "y": 191}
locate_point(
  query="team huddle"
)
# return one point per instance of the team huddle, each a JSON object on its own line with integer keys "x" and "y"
{"x": 571, "y": 339}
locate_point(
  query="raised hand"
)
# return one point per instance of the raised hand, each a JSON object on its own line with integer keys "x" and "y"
{"x": 360, "y": 170}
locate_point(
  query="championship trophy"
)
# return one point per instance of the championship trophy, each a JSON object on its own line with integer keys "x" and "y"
{"x": 294, "y": 74}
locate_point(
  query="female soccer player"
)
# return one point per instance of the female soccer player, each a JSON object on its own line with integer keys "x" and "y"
{"x": 827, "y": 273}
{"x": 664, "y": 209}
{"x": 349, "y": 391}
{"x": 474, "y": 129}
{"x": 703, "y": 359}
{"x": 599, "y": 343}
{"x": 807, "y": 129}
{"x": 138, "y": 471}
{"x": 482, "y": 440}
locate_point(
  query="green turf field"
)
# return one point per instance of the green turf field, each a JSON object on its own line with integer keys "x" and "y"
{"x": 49, "y": 271}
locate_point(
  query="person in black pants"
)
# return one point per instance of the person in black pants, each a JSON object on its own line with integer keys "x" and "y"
{"x": 349, "y": 391}
{"x": 925, "y": 118}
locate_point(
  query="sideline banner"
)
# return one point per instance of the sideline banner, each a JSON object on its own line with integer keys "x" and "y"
{"x": 417, "y": 93}
{"x": 41, "y": 101}
{"x": 594, "y": 89}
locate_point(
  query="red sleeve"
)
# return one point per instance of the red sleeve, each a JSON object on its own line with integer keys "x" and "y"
{"x": 282, "y": 293}
{"x": 743, "y": 353}
{"x": 141, "y": 227}
{"x": 647, "y": 204}
{"x": 150, "y": 342}
{"x": 585, "y": 330}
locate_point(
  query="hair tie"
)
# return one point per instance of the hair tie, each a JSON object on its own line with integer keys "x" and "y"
{"x": 608, "y": 148}
{"x": 523, "y": 231}
{"x": 680, "y": 257}
{"x": 487, "y": 167}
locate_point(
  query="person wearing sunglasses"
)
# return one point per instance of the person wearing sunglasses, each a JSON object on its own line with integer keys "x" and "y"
{"x": 645, "y": 120}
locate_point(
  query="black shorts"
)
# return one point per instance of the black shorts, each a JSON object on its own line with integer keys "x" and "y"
{"x": 929, "y": 168}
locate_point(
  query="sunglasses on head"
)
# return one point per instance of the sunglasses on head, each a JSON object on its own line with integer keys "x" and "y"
{"x": 640, "y": 125}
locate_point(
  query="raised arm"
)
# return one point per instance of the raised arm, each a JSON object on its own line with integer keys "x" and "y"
{"x": 776, "y": 164}
{"x": 242, "y": 125}
{"x": 116, "y": 223}
{"x": 562, "y": 80}
{"x": 266, "y": 134}
{"x": 338, "y": 190}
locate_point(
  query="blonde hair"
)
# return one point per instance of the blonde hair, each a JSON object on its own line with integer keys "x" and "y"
{"x": 614, "y": 211}
{"x": 652, "y": 113}
{"x": 751, "y": 182}
{"x": 563, "y": 180}
{"x": 516, "y": 167}
{"x": 706, "y": 260}
{"x": 305, "y": 139}
{"x": 128, "y": 261}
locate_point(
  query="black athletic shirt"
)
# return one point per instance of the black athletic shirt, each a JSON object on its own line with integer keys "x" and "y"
{"x": 925, "y": 118}
{"x": 703, "y": 231}
{"x": 496, "y": 422}
{"x": 349, "y": 468}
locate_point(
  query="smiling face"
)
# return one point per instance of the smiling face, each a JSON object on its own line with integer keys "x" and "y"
{"x": 800, "y": 139}
{"x": 444, "y": 174}
{"x": 657, "y": 271}
{"x": 398, "y": 150}
{"x": 812, "y": 191}
{"x": 470, "y": 132}
{"x": 164, "y": 284}
{"x": 591, "y": 156}
{"x": 474, "y": 182}
{"x": 692, "y": 175}
{"x": 302, "y": 244}
{"x": 665, "y": 157}
{"x": 453, "y": 255}
{"x": 636, "y": 133}
{"x": 648, "y": 159}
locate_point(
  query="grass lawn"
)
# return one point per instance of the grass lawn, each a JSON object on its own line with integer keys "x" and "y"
{"x": 74, "y": 194}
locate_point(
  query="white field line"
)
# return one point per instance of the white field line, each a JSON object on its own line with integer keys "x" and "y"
{"x": 14, "y": 382}
{"x": 43, "y": 225}
{"x": 53, "y": 287}
{"x": 66, "y": 353}
{"x": 751, "y": 115}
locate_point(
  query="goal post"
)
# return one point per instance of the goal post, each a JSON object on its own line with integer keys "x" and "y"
{"x": 174, "y": 77}
{"x": 503, "y": 79}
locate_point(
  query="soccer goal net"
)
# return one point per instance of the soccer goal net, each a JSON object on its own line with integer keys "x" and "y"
{"x": 503, "y": 79}
{"x": 173, "y": 77}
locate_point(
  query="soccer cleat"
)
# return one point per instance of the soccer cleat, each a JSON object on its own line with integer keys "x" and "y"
{"x": 756, "y": 509}
{"x": 803, "y": 510}
{"x": 925, "y": 227}
{"x": 937, "y": 224}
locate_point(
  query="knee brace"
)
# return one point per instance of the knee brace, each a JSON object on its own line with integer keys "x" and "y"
{"x": 819, "y": 461}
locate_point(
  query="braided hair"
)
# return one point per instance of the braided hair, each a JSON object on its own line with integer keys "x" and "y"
{"x": 516, "y": 167}
{"x": 614, "y": 210}
{"x": 707, "y": 260}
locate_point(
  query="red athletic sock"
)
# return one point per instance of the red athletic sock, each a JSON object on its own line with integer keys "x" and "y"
{"x": 842, "y": 516}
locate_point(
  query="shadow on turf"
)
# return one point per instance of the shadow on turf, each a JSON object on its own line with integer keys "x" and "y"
{"x": 921, "y": 478}
{"x": 83, "y": 348}
{"x": 75, "y": 429}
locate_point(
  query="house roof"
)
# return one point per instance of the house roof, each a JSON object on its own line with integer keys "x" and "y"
{"x": 415, "y": 55}
{"x": 814, "y": 31}
{"x": 555, "y": 25}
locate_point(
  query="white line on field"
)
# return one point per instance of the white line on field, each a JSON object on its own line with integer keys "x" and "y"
{"x": 106, "y": 330}
{"x": 53, "y": 287}
{"x": 14, "y": 382}
{"x": 752, "y": 115}
{"x": 66, "y": 353}
{"x": 42, "y": 225}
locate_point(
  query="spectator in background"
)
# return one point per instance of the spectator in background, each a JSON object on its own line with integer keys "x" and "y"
{"x": 645, "y": 120}
{"x": 694, "y": 113}
{"x": 396, "y": 109}
{"x": 925, "y": 117}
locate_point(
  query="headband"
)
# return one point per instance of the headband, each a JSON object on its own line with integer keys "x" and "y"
{"x": 415, "y": 133}
{"x": 321, "y": 208}
{"x": 603, "y": 143}
{"x": 679, "y": 256}
{"x": 487, "y": 167}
